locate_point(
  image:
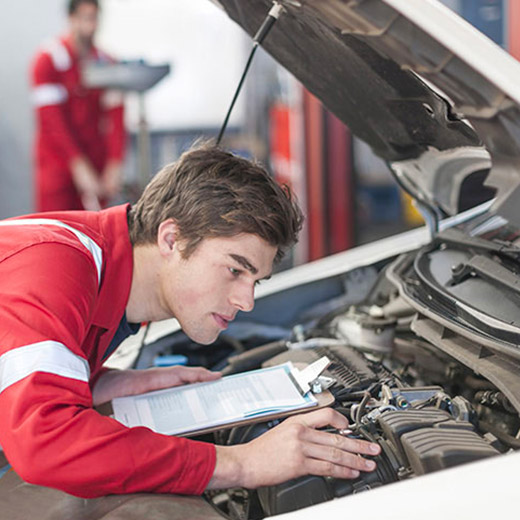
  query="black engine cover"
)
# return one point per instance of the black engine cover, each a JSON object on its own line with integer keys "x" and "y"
{"x": 429, "y": 440}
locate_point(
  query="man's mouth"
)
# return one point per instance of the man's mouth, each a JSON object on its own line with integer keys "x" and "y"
{"x": 222, "y": 321}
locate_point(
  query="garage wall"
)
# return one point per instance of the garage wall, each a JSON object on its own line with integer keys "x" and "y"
{"x": 23, "y": 25}
{"x": 204, "y": 48}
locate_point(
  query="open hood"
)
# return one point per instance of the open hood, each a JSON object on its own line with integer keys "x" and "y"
{"x": 429, "y": 93}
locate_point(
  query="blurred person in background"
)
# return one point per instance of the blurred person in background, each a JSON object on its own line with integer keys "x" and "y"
{"x": 80, "y": 137}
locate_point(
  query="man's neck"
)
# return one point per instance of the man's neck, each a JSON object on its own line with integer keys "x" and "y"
{"x": 144, "y": 301}
{"x": 80, "y": 46}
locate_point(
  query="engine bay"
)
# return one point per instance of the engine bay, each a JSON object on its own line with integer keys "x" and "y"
{"x": 421, "y": 402}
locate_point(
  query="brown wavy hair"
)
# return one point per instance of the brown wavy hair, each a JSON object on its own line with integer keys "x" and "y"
{"x": 73, "y": 5}
{"x": 210, "y": 192}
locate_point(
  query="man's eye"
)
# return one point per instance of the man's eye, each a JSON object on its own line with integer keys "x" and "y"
{"x": 258, "y": 282}
{"x": 233, "y": 271}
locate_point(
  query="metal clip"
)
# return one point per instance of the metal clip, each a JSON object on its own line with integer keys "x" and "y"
{"x": 306, "y": 377}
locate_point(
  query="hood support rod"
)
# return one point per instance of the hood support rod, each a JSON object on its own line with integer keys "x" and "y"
{"x": 272, "y": 16}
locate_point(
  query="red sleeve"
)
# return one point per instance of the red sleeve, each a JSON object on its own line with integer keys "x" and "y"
{"x": 49, "y": 97}
{"x": 49, "y": 431}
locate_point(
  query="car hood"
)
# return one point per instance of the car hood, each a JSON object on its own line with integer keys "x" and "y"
{"x": 431, "y": 95}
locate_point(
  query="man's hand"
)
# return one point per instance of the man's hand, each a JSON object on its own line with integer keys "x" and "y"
{"x": 111, "y": 179}
{"x": 292, "y": 449}
{"x": 120, "y": 383}
{"x": 87, "y": 182}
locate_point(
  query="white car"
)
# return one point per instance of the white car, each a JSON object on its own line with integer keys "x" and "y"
{"x": 424, "y": 327}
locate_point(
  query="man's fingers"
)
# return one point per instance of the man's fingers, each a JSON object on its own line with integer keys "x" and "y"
{"x": 328, "y": 469}
{"x": 195, "y": 374}
{"x": 342, "y": 442}
{"x": 335, "y": 456}
{"x": 321, "y": 418}
{"x": 167, "y": 377}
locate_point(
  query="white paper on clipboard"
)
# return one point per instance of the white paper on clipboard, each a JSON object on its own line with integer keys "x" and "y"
{"x": 189, "y": 408}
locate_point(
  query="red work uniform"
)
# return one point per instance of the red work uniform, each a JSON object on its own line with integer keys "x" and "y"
{"x": 66, "y": 280}
{"x": 71, "y": 121}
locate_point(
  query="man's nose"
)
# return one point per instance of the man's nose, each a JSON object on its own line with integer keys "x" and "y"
{"x": 243, "y": 298}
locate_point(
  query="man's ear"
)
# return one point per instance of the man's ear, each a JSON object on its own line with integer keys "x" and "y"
{"x": 167, "y": 236}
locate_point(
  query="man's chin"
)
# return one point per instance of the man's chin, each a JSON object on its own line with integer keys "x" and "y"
{"x": 203, "y": 339}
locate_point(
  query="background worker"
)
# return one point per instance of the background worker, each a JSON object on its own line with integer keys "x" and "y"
{"x": 80, "y": 135}
{"x": 205, "y": 231}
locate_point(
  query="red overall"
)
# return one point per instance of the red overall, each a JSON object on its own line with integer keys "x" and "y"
{"x": 65, "y": 281}
{"x": 71, "y": 121}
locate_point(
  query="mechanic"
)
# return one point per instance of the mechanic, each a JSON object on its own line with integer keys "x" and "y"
{"x": 205, "y": 231}
{"x": 80, "y": 137}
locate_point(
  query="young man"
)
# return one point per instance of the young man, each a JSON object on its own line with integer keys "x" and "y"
{"x": 80, "y": 135}
{"x": 204, "y": 232}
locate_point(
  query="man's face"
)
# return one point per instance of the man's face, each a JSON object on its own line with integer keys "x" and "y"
{"x": 205, "y": 291}
{"x": 83, "y": 24}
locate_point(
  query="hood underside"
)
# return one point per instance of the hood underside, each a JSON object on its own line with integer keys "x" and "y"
{"x": 430, "y": 94}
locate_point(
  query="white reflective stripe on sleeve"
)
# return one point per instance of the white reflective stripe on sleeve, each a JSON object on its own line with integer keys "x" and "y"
{"x": 49, "y": 94}
{"x": 59, "y": 54}
{"x": 47, "y": 356}
{"x": 89, "y": 244}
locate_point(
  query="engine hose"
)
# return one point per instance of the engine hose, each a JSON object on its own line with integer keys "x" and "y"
{"x": 254, "y": 358}
{"x": 502, "y": 436}
{"x": 494, "y": 398}
{"x": 360, "y": 410}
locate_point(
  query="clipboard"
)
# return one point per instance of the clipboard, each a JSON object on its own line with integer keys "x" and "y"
{"x": 260, "y": 395}
{"x": 324, "y": 399}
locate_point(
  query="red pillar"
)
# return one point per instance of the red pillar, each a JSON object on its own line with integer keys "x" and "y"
{"x": 513, "y": 28}
{"x": 313, "y": 114}
{"x": 340, "y": 185}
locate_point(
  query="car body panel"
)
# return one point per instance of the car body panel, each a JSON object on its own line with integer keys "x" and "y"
{"x": 477, "y": 491}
